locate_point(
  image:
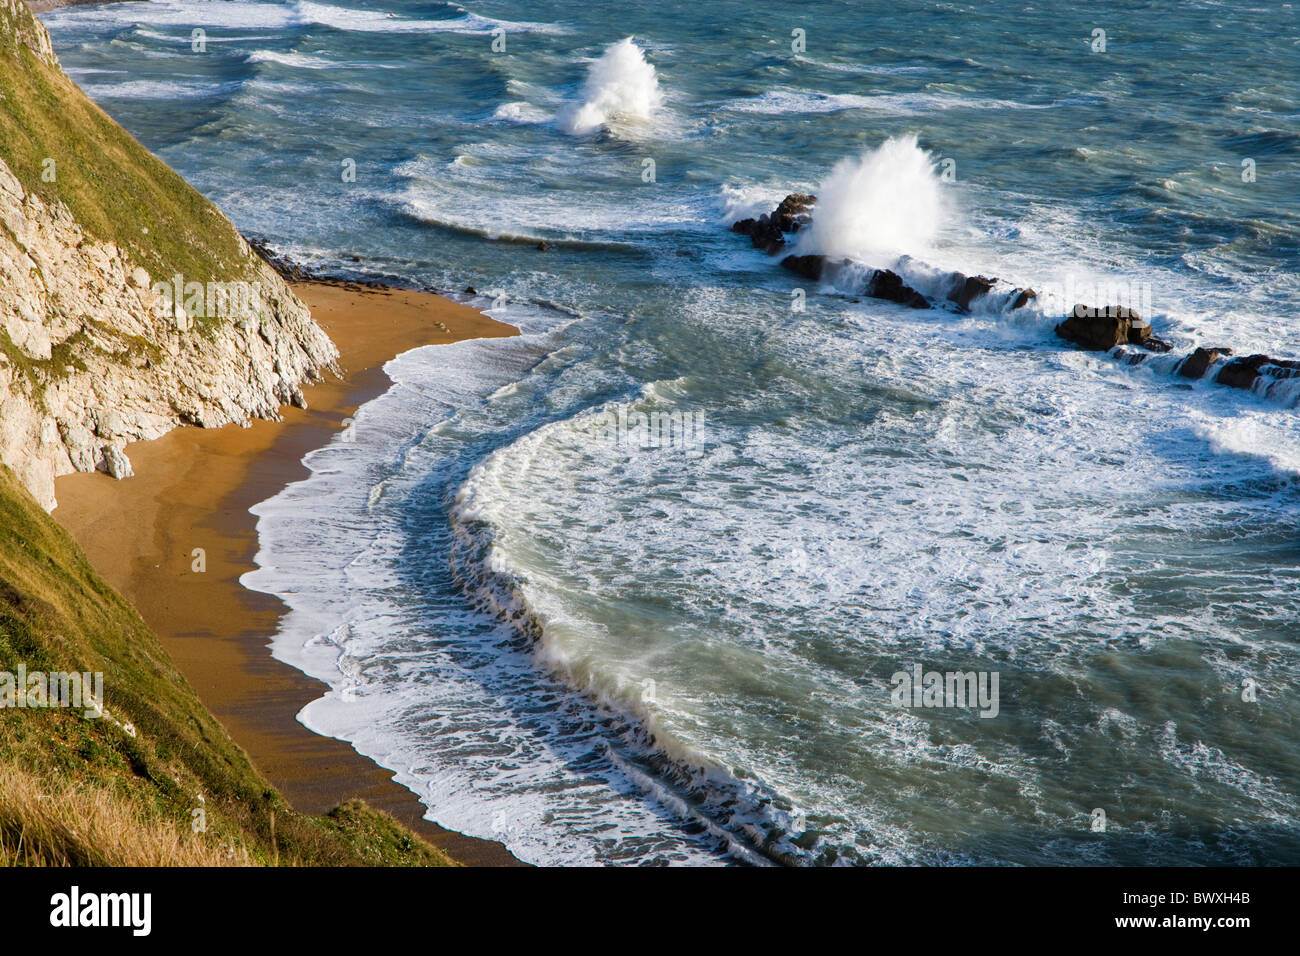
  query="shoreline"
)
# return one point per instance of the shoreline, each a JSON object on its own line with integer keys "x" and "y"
{"x": 193, "y": 488}
{"x": 45, "y": 6}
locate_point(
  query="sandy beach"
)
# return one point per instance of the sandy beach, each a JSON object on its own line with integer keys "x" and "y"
{"x": 193, "y": 488}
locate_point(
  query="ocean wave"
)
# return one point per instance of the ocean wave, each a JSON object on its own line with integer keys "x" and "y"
{"x": 621, "y": 91}
{"x": 752, "y": 821}
{"x": 248, "y": 15}
{"x": 299, "y": 61}
{"x": 523, "y": 113}
{"x": 161, "y": 89}
{"x": 778, "y": 102}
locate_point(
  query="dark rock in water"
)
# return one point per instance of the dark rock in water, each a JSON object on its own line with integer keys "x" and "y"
{"x": 763, "y": 233}
{"x": 1245, "y": 373}
{"x": 1022, "y": 297}
{"x": 1199, "y": 362}
{"x": 1100, "y": 330}
{"x": 768, "y": 232}
{"x": 1139, "y": 331}
{"x": 810, "y": 267}
{"x": 471, "y": 290}
{"x": 886, "y": 284}
{"x": 883, "y": 284}
{"x": 1158, "y": 345}
{"x": 793, "y": 212}
{"x": 963, "y": 289}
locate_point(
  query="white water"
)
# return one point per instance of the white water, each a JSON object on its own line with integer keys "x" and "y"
{"x": 621, "y": 86}
{"x": 887, "y": 201}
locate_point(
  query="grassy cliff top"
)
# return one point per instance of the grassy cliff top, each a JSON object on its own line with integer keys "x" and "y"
{"x": 115, "y": 188}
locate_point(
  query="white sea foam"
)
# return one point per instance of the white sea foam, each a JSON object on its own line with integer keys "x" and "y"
{"x": 160, "y": 89}
{"x": 334, "y": 547}
{"x": 1264, "y": 434}
{"x": 250, "y": 15}
{"x": 782, "y": 101}
{"x": 621, "y": 87}
{"x": 524, "y": 113}
{"x": 300, "y": 61}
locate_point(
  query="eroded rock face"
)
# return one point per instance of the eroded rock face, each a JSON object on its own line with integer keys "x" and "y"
{"x": 27, "y": 30}
{"x": 92, "y": 362}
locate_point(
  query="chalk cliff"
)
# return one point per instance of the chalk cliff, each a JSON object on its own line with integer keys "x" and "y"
{"x": 128, "y": 303}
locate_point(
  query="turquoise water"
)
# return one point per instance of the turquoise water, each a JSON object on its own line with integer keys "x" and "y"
{"x": 601, "y": 652}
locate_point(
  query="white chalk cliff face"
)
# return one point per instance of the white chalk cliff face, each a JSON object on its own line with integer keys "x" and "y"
{"x": 96, "y": 358}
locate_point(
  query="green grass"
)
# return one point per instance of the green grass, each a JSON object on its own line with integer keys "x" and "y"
{"x": 117, "y": 190}
{"x": 57, "y": 614}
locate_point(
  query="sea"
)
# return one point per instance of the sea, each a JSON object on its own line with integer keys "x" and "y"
{"x": 652, "y": 583}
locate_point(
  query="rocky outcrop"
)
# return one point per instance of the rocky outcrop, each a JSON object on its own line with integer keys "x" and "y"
{"x": 889, "y": 285}
{"x": 763, "y": 233}
{"x": 96, "y": 352}
{"x": 966, "y": 289}
{"x": 794, "y": 212}
{"x": 768, "y": 232}
{"x": 810, "y": 267}
{"x": 27, "y": 31}
{"x": 1253, "y": 370}
{"x": 1264, "y": 375}
{"x": 1102, "y": 329}
{"x": 1117, "y": 330}
{"x": 879, "y": 283}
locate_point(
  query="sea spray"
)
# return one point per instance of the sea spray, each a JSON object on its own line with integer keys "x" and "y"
{"x": 885, "y": 202}
{"x": 620, "y": 85}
